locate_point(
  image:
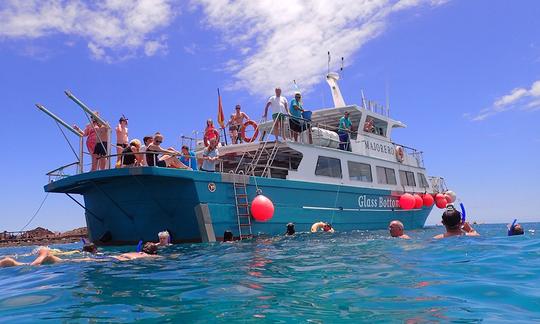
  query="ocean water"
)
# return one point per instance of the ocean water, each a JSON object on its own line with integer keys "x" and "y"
{"x": 357, "y": 276}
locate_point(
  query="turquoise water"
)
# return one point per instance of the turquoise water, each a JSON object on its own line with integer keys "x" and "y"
{"x": 316, "y": 278}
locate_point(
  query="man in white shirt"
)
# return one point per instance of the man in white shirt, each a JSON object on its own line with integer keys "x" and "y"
{"x": 279, "y": 111}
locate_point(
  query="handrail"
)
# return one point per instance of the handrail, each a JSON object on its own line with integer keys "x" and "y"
{"x": 61, "y": 168}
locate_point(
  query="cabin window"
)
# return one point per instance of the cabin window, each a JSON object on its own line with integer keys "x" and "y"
{"x": 328, "y": 167}
{"x": 407, "y": 178}
{"x": 359, "y": 171}
{"x": 422, "y": 180}
{"x": 386, "y": 175}
{"x": 375, "y": 126}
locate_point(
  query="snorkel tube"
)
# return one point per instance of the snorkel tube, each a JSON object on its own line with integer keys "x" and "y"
{"x": 139, "y": 246}
{"x": 511, "y": 229}
{"x": 462, "y": 213}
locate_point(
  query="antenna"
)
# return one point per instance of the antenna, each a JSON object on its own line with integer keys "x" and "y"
{"x": 341, "y": 70}
{"x": 328, "y": 62}
{"x": 387, "y": 100}
{"x": 363, "y": 99}
{"x": 295, "y": 85}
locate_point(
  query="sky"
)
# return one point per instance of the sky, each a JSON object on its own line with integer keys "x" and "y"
{"x": 464, "y": 76}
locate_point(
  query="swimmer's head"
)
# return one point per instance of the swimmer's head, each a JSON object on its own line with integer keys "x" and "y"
{"x": 516, "y": 230}
{"x": 327, "y": 227}
{"x": 90, "y": 248}
{"x": 451, "y": 218}
{"x": 290, "y": 229}
{"x": 227, "y": 236}
{"x": 396, "y": 228}
{"x": 149, "y": 248}
{"x": 164, "y": 238}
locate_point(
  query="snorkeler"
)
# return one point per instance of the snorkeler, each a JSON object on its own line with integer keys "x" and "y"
{"x": 451, "y": 219}
{"x": 149, "y": 251}
{"x": 227, "y": 236}
{"x": 290, "y": 229}
{"x": 44, "y": 257}
{"x": 396, "y": 229}
{"x": 515, "y": 229}
{"x": 326, "y": 227}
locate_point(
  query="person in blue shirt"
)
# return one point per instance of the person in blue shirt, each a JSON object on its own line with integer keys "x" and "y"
{"x": 344, "y": 128}
{"x": 296, "y": 115}
{"x": 188, "y": 158}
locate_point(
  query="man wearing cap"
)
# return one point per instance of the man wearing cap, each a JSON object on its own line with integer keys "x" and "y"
{"x": 451, "y": 219}
{"x": 344, "y": 128}
{"x": 279, "y": 111}
{"x": 296, "y": 115}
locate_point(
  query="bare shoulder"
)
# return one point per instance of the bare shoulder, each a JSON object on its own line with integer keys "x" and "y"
{"x": 437, "y": 237}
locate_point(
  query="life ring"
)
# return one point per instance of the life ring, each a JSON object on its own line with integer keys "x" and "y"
{"x": 400, "y": 154}
{"x": 243, "y": 132}
{"x": 207, "y": 135}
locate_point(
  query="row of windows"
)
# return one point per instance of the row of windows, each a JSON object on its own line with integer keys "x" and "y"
{"x": 331, "y": 167}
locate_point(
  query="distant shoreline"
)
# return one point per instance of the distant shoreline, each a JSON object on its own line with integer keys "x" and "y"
{"x": 41, "y": 236}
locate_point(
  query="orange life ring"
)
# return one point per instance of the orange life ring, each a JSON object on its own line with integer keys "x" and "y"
{"x": 207, "y": 135}
{"x": 400, "y": 154}
{"x": 243, "y": 133}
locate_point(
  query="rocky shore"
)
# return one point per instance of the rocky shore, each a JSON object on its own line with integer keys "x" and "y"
{"x": 41, "y": 236}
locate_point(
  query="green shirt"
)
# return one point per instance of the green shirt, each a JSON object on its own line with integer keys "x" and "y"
{"x": 345, "y": 123}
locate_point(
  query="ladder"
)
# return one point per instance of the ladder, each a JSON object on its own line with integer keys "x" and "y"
{"x": 242, "y": 209}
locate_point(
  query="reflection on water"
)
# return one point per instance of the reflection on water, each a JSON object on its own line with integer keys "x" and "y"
{"x": 356, "y": 276}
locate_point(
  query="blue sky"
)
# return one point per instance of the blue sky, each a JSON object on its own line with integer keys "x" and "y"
{"x": 463, "y": 75}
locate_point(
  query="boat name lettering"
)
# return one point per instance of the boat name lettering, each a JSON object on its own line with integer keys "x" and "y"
{"x": 380, "y": 202}
{"x": 388, "y": 149}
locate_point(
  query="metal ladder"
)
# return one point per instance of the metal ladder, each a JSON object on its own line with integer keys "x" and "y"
{"x": 242, "y": 209}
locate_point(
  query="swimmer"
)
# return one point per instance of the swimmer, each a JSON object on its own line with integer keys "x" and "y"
{"x": 44, "y": 257}
{"x": 227, "y": 236}
{"x": 290, "y": 229}
{"x": 326, "y": 227}
{"x": 451, "y": 219}
{"x": 164, "y": 239}
{"x": 515, "y": 229}
{"x": 149, "y": 251}
{"x": 396, "y": 230}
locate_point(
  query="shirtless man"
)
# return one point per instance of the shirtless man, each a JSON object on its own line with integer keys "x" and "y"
{"x": 102, "y": 140}
{"x": 238, "y": 121}
{"x": 149, "y": 251}
{"x": 169, "y": 158}
{"x": 451, "y": 219}
{"x": 396, "y": 229}
{"x": 121, "y": 136}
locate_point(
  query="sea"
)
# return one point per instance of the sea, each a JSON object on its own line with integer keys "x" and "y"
{"x": 345, "y": 277}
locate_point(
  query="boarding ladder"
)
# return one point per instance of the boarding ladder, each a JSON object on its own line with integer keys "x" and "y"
{"x": 242, "y": 207}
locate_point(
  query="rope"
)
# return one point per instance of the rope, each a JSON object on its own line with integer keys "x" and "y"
{"x": 35, "y": 214}
{"x": 335, "y": 202}
{"x": 67, "y": 140}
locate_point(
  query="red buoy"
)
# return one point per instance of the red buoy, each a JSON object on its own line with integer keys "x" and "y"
{"x": 406, "y": 201}
{"x": 440, "y": 200}
{"x": 262, "y": 208}
{"x": 428, "y": 200}
{"x": 418, "y": 201}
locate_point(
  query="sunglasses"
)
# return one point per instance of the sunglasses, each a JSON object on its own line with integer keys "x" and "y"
{"x": 158, "y": 141}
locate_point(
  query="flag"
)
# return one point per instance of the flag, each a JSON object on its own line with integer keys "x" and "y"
{"x": 220, "y": 115}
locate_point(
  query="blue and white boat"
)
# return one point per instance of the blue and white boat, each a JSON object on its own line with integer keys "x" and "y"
{"x": 308, "y": 181}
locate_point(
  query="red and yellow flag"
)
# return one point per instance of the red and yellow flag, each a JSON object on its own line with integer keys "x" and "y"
{"x": 220, "y": 115}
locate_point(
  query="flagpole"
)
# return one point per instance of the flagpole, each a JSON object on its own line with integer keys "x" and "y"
{"x": 220, "y": 112}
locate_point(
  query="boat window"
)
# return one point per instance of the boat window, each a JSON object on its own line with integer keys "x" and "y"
{"x": 422, "y": 180}
{"x": 328, "y": 167}
{"x": 359, "y": 171}
{"x": 407, "y": 178}
{"x": 375, "y": 126}
{"x": 386, "y": 175}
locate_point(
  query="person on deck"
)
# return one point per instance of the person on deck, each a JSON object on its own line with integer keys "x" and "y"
{"x": 279, "y": 111}
{"x": 210, "y": 132}
{"x": 396, "y": 229}
{"x": 147, "y": 141}
{"x": 238, "y": 121}
{"x": 210, "y": 157}
{"x": 344, "y": 129}
{"x": 121, "y": 137}
{"x": 295, "y": 122}
{"x": 233, "y": 130}
{"x": 369, "y": 125}
{"x": 168, "y": 160}
{"x": 100, "y": 150}
{"x": 188, "y": 158}
{"x": 451, "y": 219}
{"x": 90, "y": 134}
{"x": 130, "y": 155}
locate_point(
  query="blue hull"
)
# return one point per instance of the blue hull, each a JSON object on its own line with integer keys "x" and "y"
{"x": 124, "y": 206}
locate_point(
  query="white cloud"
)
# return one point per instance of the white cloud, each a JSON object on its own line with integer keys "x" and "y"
{"x": 113, "y": 28}
{"x": 519, "y": 98}
{"x": 289, "y": 39}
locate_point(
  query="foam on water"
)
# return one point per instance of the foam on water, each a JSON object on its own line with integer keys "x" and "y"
{"x": 358, "y": 276}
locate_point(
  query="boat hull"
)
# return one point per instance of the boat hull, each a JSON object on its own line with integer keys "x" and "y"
{"x": 123, "y": 206}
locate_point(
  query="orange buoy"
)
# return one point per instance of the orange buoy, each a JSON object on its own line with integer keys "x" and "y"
{"x": 243, "y": 132}
{"x": 440, "y": 200}
{"x": 262, "y": 208}
{"x": 418, "y": 201}
{"x": 428, "y": 200}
